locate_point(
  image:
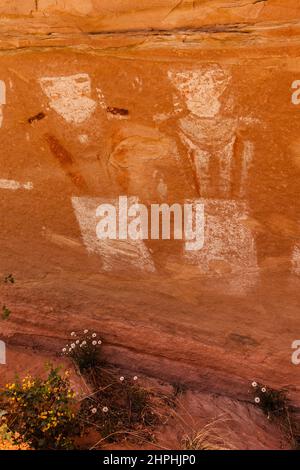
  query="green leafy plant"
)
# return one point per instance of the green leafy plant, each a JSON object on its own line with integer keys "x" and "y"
{"x": 10, "y": 440}
{"x": 5, "y": 313}
{"x": 43, "y": 411}
{"x": 84, "y": 349}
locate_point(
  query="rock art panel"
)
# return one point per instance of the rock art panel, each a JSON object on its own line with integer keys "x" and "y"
{"x": 166, "y": 113}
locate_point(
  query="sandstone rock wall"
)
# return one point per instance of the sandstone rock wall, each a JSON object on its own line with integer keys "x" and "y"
{"x": 163, "y": 101}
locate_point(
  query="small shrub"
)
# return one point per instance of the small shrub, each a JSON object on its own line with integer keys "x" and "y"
{"x": 272, "y": 402}
{"x": 119, "y": 408}
{"x": 42, "y": 411}
{"x": 84, "y": 349}
{"x": 276, "y": 406}
{"x": 11, "y": 440}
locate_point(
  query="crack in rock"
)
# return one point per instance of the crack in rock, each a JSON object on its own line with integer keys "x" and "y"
{"x": 245, "y": 4}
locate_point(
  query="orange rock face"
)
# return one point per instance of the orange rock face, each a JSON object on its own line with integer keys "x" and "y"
{"x": 163, "y": 103}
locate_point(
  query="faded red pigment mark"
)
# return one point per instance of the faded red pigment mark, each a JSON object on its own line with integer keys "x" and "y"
{"x": 36, "y": 117}
{"x": 116, "y": 111}
{"x": 66, "y": 161}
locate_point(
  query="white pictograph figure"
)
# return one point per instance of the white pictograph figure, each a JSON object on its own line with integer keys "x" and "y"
{"x": 209, "y": 130}
{"x": 2, "y": 100}
{"x": 114, "y": 253}
{"x": 70, "y": 96}
{"x": 2, "y": 353}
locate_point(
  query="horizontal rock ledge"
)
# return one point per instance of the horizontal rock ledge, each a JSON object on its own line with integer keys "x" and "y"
{"x": 121, "y": 15}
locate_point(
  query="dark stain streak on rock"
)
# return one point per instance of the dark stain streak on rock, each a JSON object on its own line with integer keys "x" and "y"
{"x": 243, "y": 339}
{"x": 36, "y": 117}
{"x": 120, "y": 111}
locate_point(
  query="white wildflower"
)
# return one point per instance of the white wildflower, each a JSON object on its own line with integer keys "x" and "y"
{"x": 99, "y": 342}
{"x": 94, "y": 343}
{"x": 94, "y": 335}
{"x": 94, "y": 410}
{"x": 264, "y": 389}
{"x": 122, "y": 379}
{"x": 86, "y": 331}
{"x": 64, "y": 350}
{"x": 73, "y": 333}
{"x": 254, "y": 384}
{"x": 135, "y": 378}
{"x": 73, "y": 345}
{"x": 105, "y": 409}
{"x": 257, "y": 400}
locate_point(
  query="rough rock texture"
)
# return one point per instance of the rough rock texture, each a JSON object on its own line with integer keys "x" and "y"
{"x": 173, "y": 101}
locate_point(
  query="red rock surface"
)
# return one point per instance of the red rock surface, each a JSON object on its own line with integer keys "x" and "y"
{"x": 208, "y": 91}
